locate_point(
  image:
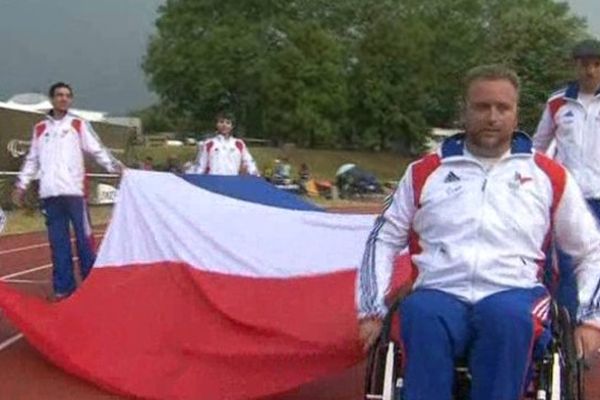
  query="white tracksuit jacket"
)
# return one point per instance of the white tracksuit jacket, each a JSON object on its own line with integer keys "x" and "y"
{"x": 225, "y": 156}
{"x": 474, "y": 233}
{"x": 57, "y": 156}
{"x": 576, "y": 132}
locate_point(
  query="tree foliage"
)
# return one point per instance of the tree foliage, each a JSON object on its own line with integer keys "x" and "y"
{"x": 350, "y": 72}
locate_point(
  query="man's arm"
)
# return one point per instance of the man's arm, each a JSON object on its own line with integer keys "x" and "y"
{"x": 202, "y": 163}
{"x": 544, "y": 134}
{"x": 577, "y": 234}
{"x": 388, "y": 237}
{"x": 248, "y": 165}
{"x": 31, "y": 165}
{"x": 91, "y": 144}
{"x": 196, "y": 166}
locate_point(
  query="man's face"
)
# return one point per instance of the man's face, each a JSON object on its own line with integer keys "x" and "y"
{"x": 62, "y": 99}
{"x": 491, "y": 116}
{"x": 588, "y": 73}
{"x": 224, "y": 126}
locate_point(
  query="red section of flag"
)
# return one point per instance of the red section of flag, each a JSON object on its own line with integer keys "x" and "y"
{"x": 169, "y": 331}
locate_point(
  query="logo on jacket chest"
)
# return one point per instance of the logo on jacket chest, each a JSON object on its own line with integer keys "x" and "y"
{"x": 61, "y": 133}
{"x": 224, "y": 149}
{"x": 567, "y": 118}
{"x": 451, "y": 177}
{"x": 227, "y": 151}
{"x": 519, "y": 180}
{"x": 452, "y": 183}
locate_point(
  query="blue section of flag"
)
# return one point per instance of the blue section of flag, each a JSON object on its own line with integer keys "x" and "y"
{"x": 252, "y": 189}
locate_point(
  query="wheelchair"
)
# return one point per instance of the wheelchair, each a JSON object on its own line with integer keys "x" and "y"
{"x": 557, "y": 373}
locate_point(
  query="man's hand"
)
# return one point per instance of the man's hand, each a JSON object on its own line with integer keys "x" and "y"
{"x": 369, "y": 330}
{"x": 120, "y": 169}
{"x": 243, "y": 169}
{"x": 17, "y": 196}
{"x": 587, "y": 341}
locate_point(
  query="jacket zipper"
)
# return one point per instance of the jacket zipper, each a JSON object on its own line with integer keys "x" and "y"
{"x": 486, "y": 176}
{"x": 475, "y": 265}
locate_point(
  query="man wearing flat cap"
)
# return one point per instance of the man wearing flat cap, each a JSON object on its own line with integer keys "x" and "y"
{"x": 571, "y": 121}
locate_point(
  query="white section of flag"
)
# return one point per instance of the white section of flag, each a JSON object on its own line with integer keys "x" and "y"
{"x": 173, "y": 220}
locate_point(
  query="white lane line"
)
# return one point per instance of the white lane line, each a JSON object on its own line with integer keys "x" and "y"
{"x": 10, "y": 341}
{"x": 27, "y": 281}
{"x": 18, "y": 249}
{"x": 38, "y": 246}
{"x": 4, "y": 278}
{"x": 25, "y": 272}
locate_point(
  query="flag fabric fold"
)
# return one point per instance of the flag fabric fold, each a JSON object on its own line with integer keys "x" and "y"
{"x": 198, "y": 295}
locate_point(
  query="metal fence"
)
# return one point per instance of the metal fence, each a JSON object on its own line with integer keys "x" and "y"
{"x": 98, "y": 192}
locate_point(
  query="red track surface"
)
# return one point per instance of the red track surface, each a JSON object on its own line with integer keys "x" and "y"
{"x": 25, "y": 375}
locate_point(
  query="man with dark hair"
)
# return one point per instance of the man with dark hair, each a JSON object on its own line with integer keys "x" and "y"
{"x": 571, "y": 122}
{"x": 57, "y": 152}
{"x": 59, "y": 85}
{"x": 225, "y": 154}
{"x": 476, "y": 216}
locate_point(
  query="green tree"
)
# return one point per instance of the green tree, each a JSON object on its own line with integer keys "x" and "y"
{"x": 304, "y": 87}
{"x": 205, "y": 57}
{"x": 388, "y": 91}
{"x": 535, "y": 38}
{"x": 368, "y": 74}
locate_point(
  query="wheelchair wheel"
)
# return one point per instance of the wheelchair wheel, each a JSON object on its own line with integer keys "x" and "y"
{"x": 383, "y": 380}
{"x": 560, "y": 372}
{"x": 573, "y": 384}
{"x": 382, "y": 372}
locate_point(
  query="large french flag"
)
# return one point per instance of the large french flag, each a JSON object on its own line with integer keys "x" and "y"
{"x": 199, "y": 295}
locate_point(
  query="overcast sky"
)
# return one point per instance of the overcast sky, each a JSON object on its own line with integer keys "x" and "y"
{"x": 590, "y": 9}
{"x": 98, "y": 45}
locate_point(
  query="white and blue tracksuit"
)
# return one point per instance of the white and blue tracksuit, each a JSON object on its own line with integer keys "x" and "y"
{"x": 225, "y": 156}
{"x": 571, "y": 130}
{"x": 56, "y": 156}
{"x": 477, "y": 239}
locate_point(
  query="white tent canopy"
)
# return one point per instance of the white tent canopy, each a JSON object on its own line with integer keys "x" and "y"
{"x": 38, "y": 103}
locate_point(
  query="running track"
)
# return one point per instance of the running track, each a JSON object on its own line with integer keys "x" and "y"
{"x": 25, "y": 263}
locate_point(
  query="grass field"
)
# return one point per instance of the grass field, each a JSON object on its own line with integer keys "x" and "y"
{"x": 26, "y": 220}
{"x": 322, "y": 163}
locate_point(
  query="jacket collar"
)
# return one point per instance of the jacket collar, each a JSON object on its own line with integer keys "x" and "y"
{"x": 50, "y": 116}
{"x": 222, "y": 137}
{"x": 572, "y": 91}
{"x": 454, "y": 146}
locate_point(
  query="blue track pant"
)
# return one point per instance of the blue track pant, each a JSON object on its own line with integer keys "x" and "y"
{"x": 60, "y": 212}
{"x": 496, "y": 336}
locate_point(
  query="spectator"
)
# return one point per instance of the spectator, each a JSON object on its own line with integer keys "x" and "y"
{"x": 148, "y": 164}
{"x": 173, "y": 165}
{"x": 304, "y": 173}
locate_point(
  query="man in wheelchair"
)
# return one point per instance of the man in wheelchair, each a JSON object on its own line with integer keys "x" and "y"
{"x": 477, "y": 217}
